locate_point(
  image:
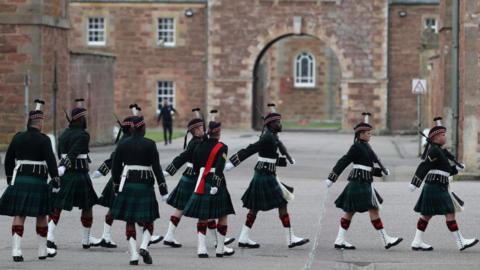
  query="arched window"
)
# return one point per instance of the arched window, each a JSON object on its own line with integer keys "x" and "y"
{"x": 304, "y": 70}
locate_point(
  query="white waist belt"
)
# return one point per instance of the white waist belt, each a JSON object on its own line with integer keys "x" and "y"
{"x": 267, "y": 160}
{"x": 81, "y": 156}
{"x": 440, "y": 172}
{"x": 362, "y": 167}
{"x": 19, "y": 163}
{"x": 189, "y": 165}
{"x": 128, "y": 168}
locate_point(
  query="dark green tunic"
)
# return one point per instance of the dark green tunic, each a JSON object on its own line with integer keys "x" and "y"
{"x": 76, "y": 189}
{"x": 180, "y": 195}
{"x": 358, "y": 195}
{"x": 435, "y": 198}
{"x": 137, "y": 201}
{"x": 264, "y": 192}
{"x": 207, "y": 206}
{"x": 29, "y": 196}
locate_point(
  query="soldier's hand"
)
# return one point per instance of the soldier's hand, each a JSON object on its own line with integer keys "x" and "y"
{"x": 293, "y": 161}
{"x": 328, "y": 183}
{"x": 55, "y": 184}
{"x": 229, "y": 166}
{"x": 461, "y": 168}
{"x": 96, "y": 174}
{"x": 165, "y": 174}
{"x": 165, "y": 197}
{"x": 9, "y": 180}
{"x": 412, "y": 187}
{"x": 213, "y": 190}
{"x": 61, "y": 170}
{"x": 116, "y": 187}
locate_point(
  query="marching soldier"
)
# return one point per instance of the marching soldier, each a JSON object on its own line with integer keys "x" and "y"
{"x": 76, "y": 189}
{"x": 180, "y": 195}
{"x": 210, "y": 199}
{"x": 265, "y": 191}
{"x": 108, "y": 193}
{"x": 135, "y": 168}
{"x": 359, "y": 195}
{"x": 28, "y": 162}
{"x": 436, "y": 197}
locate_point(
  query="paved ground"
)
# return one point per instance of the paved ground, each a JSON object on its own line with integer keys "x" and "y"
{"x": 313, "y": 215}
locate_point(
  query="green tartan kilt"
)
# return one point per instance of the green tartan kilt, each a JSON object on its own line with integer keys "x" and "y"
{"x": 207, "y": 206}
{"x": 264, "y": 193}
{"x": 108, "y": 195}
{"x": 29, "y": 196}
{"x": 182, "y": 192}
{"x": 76, "y": 190}
{"x": 136, "y": 203}
{"x": 434, "y": 200}
{"x": 357, "y": 196}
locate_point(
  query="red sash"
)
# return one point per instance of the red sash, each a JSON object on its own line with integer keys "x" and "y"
{"x": 211, "y": 158}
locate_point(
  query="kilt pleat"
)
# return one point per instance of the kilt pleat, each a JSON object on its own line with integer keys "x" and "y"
{"x": 207, "y": 206}
{"x": 264, "y": 193}
{"x": 180, "y": 195}
{"x": 76, "y": 190}
{"x": 434, "y": 200}
{"x": 136, "y": 203}
{"x": 357, "y": 196}
{"x": 108, "y": 195}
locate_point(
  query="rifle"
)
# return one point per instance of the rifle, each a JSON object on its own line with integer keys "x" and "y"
{"x": 283, "y": 151}
{"x": 119, "y": 130}
{"x": 383, "y": 168}
{"x": 449, "y": 155}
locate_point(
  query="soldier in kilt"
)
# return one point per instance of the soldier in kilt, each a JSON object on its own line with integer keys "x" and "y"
{"x": 210, "y": 199}
{"x": 359, "y": 195}
{"x": 135, "y": 168}
{"x": 76, "y": 189}
{"x": 28, "y": 162}
{"x": 436, "y": 197}
{"x": 108, "y": 193}
{"x": 265, "y": 191}
{"x": 180, "y": 195}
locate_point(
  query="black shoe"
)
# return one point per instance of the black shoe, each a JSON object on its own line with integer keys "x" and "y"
{"x": 422, "y": 249}
{"x": 155, "y": 241}
{"x": 51, "y": 255}
{"x": 18, "y": 258}
{"x": 394, "y": 243}
{"x": 86, "y": 246}
{"x": 51, "y": 244}
{"x": 42, "y": 258}
{"x": 134, "y": 262}
{"x": 172, "y": 244}
{"x": 231, "y": 240}
{"x": 299, "y": 243}
{"x": 106, "y": 244}
{"x": 344, "y": 247}
{"x": 147, "y": 259}
{"x": 225, "y": 253}
{"x": 470, "y": 245}
{"x": 203, "y": 255}
{"x": 247, "y": 245}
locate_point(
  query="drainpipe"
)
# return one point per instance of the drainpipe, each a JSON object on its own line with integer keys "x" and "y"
{"x": 455, "y": 75}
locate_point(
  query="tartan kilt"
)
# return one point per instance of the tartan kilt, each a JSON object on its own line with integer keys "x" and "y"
{"x": 29, "y": 196}
{"x": 76, "y": 190}
{"x": 136, "y": 203}
{"x": 207, "y": 206}
{"x": 108, "y": 195}
{"x": 357, "y": 196}
{"x": 434, "y": 200}
{"x": 182, "y": 192}
{"x": 264, "y": 193}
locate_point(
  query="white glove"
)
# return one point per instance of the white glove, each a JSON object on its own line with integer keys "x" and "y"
{"x": 55, "y": 190}
{"x": 165, "y": 197}
{"x": 165, "y": 174}
{"x": 96, "y": 174}
{"x": 229, "y": 166}
{"x": 460, "y": 168}
{"x": 412, "y": 187}
{"x": 213, "y": 190}
{"x": 294, "y": 161}
{"x": 388, "y": 172}
{"x": 328, "y": 183}
{"x": 61, "y": 170}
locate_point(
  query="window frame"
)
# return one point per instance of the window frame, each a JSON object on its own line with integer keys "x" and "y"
{"x": 173, "y": 31}
{"x": 426, "y": 26}
{"x": 298, "y": 80}
{"x": 96, "y": 43}
{"x": 171, "y": 97}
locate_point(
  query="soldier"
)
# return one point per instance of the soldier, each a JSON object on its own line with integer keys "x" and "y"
{"x": 359, "y": 194}
{"x": 210, "y": 199}
{"x": 76, "y": 189}
{"x": 265, "y": 191}
{"x": 28, "y": 162}
{"x": 180, "y": 195}
{"x": 135, "y": 168}
{"x": 436, "y": 197}
{"x": 108, "y": 193}
{"x": 165, "y": 115}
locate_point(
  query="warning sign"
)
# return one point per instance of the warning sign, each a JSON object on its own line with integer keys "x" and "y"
{"x": 419, "y": 86}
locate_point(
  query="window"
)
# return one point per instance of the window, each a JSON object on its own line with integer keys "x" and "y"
{"x": 166, "y": 32}
{"x": 431, "y": 23}
{"x": 165, "y": 91}
{"x": 96, "y": 31}
{"x": 305, "y": 70}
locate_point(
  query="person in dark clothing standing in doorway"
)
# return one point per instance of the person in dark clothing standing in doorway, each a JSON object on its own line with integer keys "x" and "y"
{"x": 166, "y": 112}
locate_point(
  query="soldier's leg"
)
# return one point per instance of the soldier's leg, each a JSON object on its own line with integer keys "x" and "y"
{"x": 222, "y": 249}
{"x": 165, "y": 127}
{"x": 17, "y": 234}
{"x": 106, "y": 240}
{"x": 147, "y": 235}
{"x": 52, "y": 224}
{"x": 340, "y": 241}
{"x": 292, "y": 240}
{"x": 42, "y": 230}
{"x": 170, "y": 131}
{"x": 244, "y": 239}
{"x": 201, "y": 232}
{"x": 417, "y": 243}
{"x": 387, "y": 240}
{"x": 462, "y": 243}
{"x": 172, "y": 226}
{"x": 87, "y": 220}
{"x": 131, "y": 234}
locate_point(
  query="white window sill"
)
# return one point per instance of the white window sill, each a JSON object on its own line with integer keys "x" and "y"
{"x": 95, "y": 44}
